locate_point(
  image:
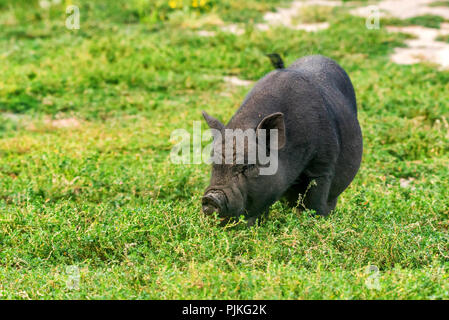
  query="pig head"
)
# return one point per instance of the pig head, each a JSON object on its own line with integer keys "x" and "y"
{"x": 241, "y": 183}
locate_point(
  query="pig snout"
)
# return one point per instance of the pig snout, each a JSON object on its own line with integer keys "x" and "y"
{"x": 213, "y": 201}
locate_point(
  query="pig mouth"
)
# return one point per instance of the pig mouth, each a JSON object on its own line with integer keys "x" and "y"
{"x": 224, "y": 221}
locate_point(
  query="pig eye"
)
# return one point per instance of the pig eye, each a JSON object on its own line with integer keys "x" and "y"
{"x": 251, "y": 170}
{"x": 238, "y": 169}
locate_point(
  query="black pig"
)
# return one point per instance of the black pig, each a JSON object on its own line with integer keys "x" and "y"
{"x": 312, "y": 104}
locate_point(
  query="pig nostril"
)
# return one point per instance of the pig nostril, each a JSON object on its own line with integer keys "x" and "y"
{"x": 211, "y": 204}
{"x": 208, "y": 209}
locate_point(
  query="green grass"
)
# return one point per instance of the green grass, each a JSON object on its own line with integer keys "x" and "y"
{"x": 428, "y": 20}
{"x": 439, "y": 4}
{"x": 444, "y": 38}
{"x": 314, "y": 14}
{"x": 102, "y": 195}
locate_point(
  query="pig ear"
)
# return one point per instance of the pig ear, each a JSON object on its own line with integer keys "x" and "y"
{"x": 212, "y": 122}
{"x": 274, "y": 121}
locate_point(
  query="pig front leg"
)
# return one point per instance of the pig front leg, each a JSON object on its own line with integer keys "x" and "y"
{"x": 317, "y": 196}
{"x": 258, "y": 219}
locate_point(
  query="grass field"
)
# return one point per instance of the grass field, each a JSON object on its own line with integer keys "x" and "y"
{"x": 86, "y": 185}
